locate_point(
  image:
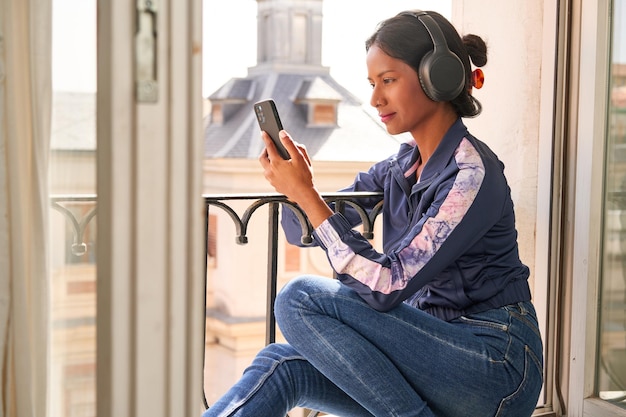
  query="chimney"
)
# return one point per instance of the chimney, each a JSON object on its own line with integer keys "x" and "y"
{"x": 289, "y": 37}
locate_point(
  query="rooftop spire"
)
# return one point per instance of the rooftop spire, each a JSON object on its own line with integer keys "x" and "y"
{"x": 289, "y": 34}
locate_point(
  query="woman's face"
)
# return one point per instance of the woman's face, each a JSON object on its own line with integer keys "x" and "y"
{"x": 397, "y": 94}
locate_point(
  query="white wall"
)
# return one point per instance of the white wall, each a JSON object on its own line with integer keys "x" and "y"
{"x": 512, "y": 98}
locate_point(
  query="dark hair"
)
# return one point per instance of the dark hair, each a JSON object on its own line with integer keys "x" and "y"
{"x": 405, "y": 38}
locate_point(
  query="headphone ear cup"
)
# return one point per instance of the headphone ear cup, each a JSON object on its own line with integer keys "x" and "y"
{"x": 442, "y": 75}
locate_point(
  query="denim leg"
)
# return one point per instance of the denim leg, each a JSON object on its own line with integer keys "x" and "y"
{"x": 523, "y": 400}
{"x": 278, "y": 380}
{"x": 407, "y": 363}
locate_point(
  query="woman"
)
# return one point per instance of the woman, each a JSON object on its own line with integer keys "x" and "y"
{"x": 441, "y": 322}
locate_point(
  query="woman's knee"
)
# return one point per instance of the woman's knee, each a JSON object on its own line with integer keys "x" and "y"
{"x": 297, "y": 295}
{"x": 293, "y": 293}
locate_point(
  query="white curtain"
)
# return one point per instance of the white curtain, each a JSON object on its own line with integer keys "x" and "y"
{"x": 25, "y": 112}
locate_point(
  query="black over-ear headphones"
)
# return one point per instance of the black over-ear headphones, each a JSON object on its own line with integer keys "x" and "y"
{"x": 441, "y": 72}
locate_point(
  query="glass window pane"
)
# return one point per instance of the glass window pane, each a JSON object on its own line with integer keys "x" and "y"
{"x": 612, "y": 337}
{"x": 72, "y": 223}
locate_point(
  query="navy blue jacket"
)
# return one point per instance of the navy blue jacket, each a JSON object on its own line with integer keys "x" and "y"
{"x": 449, "y": 239}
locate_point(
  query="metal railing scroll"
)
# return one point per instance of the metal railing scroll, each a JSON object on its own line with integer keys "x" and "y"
{"x": 79, "y": 224}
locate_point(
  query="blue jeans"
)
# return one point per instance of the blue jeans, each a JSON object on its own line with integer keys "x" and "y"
{"x": 347, "y": 359}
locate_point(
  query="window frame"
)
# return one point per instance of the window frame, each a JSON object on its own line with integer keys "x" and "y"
{"x": 588, "y": 129}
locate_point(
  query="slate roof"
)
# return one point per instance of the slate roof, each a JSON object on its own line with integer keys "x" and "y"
{"x": 357, "y": 136}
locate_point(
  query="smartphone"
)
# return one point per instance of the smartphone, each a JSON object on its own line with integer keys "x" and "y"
{"x": 269, "y": 121}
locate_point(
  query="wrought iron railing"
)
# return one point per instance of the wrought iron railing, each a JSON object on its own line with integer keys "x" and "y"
{"x": 339, "y": 202}
{"x": 274, "y": 201}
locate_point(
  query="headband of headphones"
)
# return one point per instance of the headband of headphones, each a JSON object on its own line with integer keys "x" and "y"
{"x": 441, "y": 72}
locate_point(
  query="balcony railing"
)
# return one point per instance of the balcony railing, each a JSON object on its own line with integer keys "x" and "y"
{"x": 339, "y": 201}
{"x": 274, "y": 201}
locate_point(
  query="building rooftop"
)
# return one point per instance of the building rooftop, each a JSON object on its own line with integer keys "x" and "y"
{"x": 356, "y": 136}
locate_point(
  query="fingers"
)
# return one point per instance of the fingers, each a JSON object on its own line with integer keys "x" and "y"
{"x": 270, "y": 149}
{"x": 293, "y": 148}
{"x": 288, "y": 143}
{"x": 304, "y": 153}
{"x": 264, "y": 158}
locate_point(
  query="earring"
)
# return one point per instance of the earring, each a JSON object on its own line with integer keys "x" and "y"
{"x": 478, "y": 78}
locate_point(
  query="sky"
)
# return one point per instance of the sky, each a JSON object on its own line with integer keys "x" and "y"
{"x": 346, "y": 26}
{"x": 74, "y": 45}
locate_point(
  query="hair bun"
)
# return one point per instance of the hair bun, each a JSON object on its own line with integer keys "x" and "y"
{"x": 476, "y": 49}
